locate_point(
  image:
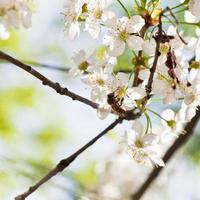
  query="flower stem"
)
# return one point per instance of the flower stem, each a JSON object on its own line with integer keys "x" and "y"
{"x": 149, "y": 124}
{"x": 184, "y": 23}
{"x": 178, "y": 6}
{"x": 178, "y": 11}
{"x": 155, "y": 113}
{"x": 124, "y": 8}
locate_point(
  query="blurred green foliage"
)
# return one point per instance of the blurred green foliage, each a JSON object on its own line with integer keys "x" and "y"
{"x": 14, "y": 42}
{"x": 49, "y": 139}
{"x": 87, "y": 177}
{"x": 124, "y": 62}
{"x": 32, "y": 164}
{"x": 12, "y": 99}
{"x": 192, "y": 149}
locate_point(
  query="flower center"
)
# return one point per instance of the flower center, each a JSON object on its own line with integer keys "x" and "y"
{"x": 121, "y": 92}
{"x": 83, "y": 66}
{"x": 195, "y": 65}
{"x": 123, "y": 35}
{"x": 84, "y": 8}
{"x": 194, "y": 97}
{"x": 138, "y": 144}
{"x": 164, "y": 48}
{"x": 100, "y": 82}
{"x": 98, "y": 13}
{"x": 171, "y": 123}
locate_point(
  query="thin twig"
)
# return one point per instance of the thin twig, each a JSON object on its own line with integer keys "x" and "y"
{"x": 46, "y": 81}
{"x": 46, "y": 66}
{"x": 66, "y": 162}
{"x": 176, "y": 24}
{"x": 189, "y": 131}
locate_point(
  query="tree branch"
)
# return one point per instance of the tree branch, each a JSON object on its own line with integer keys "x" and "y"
{"x": 137, "y": 70}
{"x": 66, "y": 162}
{"x": 189, "y": 131}
{"x": 155, "y": 62}
{"x": 46, "y": 81}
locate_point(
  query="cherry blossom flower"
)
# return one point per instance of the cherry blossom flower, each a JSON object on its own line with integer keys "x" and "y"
{"x": 192, "y": 95}
{"x": 173, "y": 124}
{"x": 104, "y": 60}
{"x": 96, "y": 16}
{"x": 143, "y": 147}
{"x": 132, "y": 95}
{"x": 126, "y": 96}
{"x": 13, "y": 13}
{"x": 194, "y": 7}
{"x": 81, "y": 63}
{"x": 72, "y": 14}
{"x": 124, "y": 31}
{"x": 99, "y": 82}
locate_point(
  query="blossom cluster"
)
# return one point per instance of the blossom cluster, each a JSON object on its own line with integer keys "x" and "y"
{"x": 13, "y": 13}
{"x": 166, "y": 64}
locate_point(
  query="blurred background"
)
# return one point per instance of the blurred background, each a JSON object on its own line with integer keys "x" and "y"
{"x": 39, "y": 127}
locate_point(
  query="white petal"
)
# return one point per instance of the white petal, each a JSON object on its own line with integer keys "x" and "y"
{"x": 138, "y": 93}
{"x": 121, "y": 79}
{"x": 194, "y": 7}
{"x": 137, "y": 127}
{"x": 26, "y": 19}
{"x": 190, "y": 112}
{"x": 73, "y": 31}
{"x": 144, "y": 74}
{"x": 158, "y": 161}
{"x": 135, "y": 42}
{"x": 74, "y": 71}
{"x": 131, "y": 137}
{"x": 129, "y": 103}
{"x": 92, "y": 27}
{"x": 160, "y": 87}
{"x": 170, "y": 97}
{"x": 149, "y": 47}
{"x": 79, "y": 57}
{"x": 117, "y": 48}
{"x": 4, "y": 33}
{"x": 189, "y": 17}
{"x": 6, "y": 3}
{"x": 103, "y": 111}
{"x": 110, "y": 20}
{"x": 150, "y": 139}
{"x": 168, "y": 114}
{"x": 135, "y": 24}
{"x": 13, "y": 18}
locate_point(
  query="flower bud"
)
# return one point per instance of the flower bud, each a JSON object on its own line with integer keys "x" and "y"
{"x": 171, "y": 123}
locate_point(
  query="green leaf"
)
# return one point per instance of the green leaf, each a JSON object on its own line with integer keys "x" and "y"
{"x": 124, "y": 62}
